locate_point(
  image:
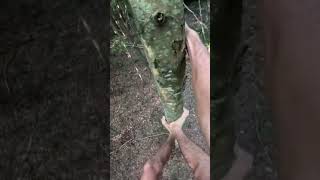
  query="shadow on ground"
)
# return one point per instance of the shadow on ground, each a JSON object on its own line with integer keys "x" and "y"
{"x": 52, "y": 90}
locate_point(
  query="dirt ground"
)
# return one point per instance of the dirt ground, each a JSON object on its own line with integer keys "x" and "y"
{"x": 251, "y": 110}
{"x": 52, "y": 90}
{"x": 136, "y": 130}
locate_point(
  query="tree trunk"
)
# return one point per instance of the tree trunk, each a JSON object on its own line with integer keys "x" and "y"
{"x": 160, "y": 27}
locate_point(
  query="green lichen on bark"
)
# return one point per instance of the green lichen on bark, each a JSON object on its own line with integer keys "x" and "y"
{"x": 160, "y": 26}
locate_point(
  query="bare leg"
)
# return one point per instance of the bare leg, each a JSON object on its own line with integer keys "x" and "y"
{"x": 152, "y": 169}
{"x": 200, "y": 62}
{"x": 292, "y": 36}
{"x": 197, "y": 159}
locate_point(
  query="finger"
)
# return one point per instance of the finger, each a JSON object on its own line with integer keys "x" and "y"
{"x": 184, "y": 115}
{"x": 164, "y": 122}
{"x": 185, "y": 112}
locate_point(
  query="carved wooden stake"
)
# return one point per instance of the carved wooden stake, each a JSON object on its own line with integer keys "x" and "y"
{"x": 160, "y": 26}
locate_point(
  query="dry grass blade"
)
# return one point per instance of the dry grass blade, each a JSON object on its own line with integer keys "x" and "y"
{"x": 94, "y": 42}
{"x": 196, "y": 17}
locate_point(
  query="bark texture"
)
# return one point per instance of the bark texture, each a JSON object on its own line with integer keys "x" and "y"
{"x": 160, "y": 26}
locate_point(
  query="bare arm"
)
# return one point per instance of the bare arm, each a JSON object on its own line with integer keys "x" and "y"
{"x": 196, "y": 158}
{"x": 200, "y": 62}
{"x": 152, "y": 169}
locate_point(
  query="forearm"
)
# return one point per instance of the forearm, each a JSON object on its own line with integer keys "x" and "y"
{"x": 160, "y": 159}
{"x": 152, "y": 169}
{"x": 197, "y": 159}
{"x": 201, "y": 87}
{"x": 193, "y": 154}
{"x": 203, "y": 111}
{"x": 163, "y": 154}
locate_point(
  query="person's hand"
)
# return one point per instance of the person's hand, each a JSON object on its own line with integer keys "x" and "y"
{"x": 191, "y": 37}
{"x": 200, "y": 70}
{"x": 190, "y": 33}
{"x": 177, "y": 123}
{"x": 194, "y": 44}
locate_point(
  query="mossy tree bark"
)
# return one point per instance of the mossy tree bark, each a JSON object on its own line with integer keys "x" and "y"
{"x": 160, "y": 27}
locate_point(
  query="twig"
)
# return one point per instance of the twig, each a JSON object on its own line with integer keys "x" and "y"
{"x": 138, "y": 139}
{"x": 200, "y": 11}
{"x": 28, "y": 148}
{"x": 261, "y": 142}
{"x": 85, "y": 24}
{"x": 94, "y": 42}
{"x": 5, "y": 69}
{"x": 138, "y": 73}
{"x": 204, "y": 25}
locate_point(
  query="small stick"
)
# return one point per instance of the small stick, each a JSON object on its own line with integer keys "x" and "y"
{"x": 204, "y": 25}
